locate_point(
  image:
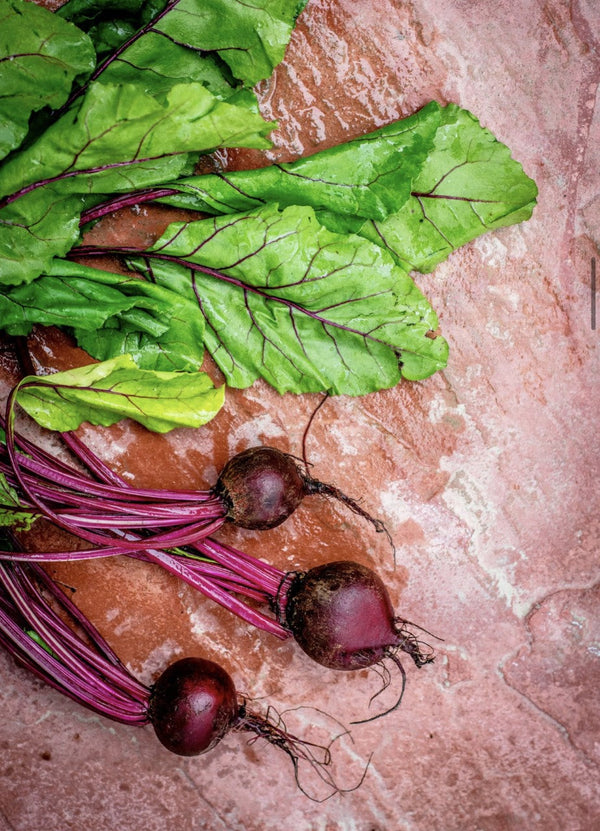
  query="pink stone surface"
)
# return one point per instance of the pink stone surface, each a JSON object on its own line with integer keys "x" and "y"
{"x": 486, "y": 475}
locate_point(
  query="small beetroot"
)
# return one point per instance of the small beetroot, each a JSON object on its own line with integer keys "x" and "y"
{"x": 261, "y": 487}
{"x": 192, "y": 705}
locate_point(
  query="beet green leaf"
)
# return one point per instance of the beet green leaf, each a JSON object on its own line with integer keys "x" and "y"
{"x": 118, "y": 139}
{"x": 284, "y": 299}
{"x": 420, "y": 187}
{"x": 468, "y": 186}
{"x": 250, "y": 38}
{"x": 40, "y": 57}
{"x": 271, "y": 294}
{"x": 107, "y": 392}
{"x": 111, "y": 314}
{"x": 40, "y": 225}
{"x": 368, "y": 177}
{"x": 243, "y": 41}
{"x": 172, "y": 81}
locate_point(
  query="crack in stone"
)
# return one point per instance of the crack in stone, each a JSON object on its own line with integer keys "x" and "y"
{"x": 588, "y": 90}
{"x": 562, "y": 729}
{"x": 194, "y": 785}
{"x": 530, "y": 646}
{"x": 9, "y": 825}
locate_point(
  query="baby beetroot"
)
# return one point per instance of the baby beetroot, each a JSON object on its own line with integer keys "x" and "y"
{"x": 192, "y": 705}
{"x": 261, "y": 487}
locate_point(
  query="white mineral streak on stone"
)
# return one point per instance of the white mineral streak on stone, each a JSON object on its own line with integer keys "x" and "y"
{"x": 471, "y": 496}
{"x": 193, "y": 447}
{"x": 507, "y": 296}
{"x": 439, "y": 409}
{"x": 157, "y": 660}
{"x": 114, "y": 450}
{"x": 492, "y": 249}
{"x": 257, "y": 430}
{"x": 339, "y": 433}
{"x": 443, "y": 544}
{"x": 393, "y": 501}
{"x": 499, "y": 332}
{"x": 375, "y": 93}
{"x": 498, "y": 249}
{"x": 475, "y": 496}
{"x": 129, "y": 624}
{"x": 198, "y": 619}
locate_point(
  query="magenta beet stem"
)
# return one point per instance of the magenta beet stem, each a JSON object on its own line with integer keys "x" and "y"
{"x": 239, "y": 573}
{"x": 115, "y": 519}
{"x": 36, "y": 634}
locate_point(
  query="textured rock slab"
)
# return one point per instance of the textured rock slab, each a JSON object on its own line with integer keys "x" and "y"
{"x": 486, "y": 476}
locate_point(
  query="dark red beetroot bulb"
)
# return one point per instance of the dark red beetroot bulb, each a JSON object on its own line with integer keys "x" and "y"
{"x": 341, "y": 615}
{"x": 192, "y": 705}
{"x": 260, "y": 487}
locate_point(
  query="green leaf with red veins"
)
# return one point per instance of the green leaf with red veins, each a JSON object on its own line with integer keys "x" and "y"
{"x": 223, "y": 43}
{"x": 469, "y": 185}
{"x": 369, "y": 176}
{"x": 120, "y": 138}
{"x": 40, "y": 57}
{"x": 250, "y": 38}
{"x": 285, "y": 299}
{"x": 117, "y": 139}
{"x": 77, "y": 296}
{"x": 420, "y": 187}
{"x": 111, "y": 314}
{"x": 107, "y": 392}
{"x": 33, "y": 230}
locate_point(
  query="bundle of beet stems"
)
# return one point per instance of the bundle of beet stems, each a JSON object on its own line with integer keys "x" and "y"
{"x": 191, "y": 706}
{"x": 340, "y": 613}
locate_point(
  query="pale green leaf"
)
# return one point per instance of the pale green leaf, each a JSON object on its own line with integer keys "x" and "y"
{"x": 107, "y": 392}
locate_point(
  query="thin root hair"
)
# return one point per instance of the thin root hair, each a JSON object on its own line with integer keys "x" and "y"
{"x": 307, "y": 430}
{"x": 272, "y": 728}
{"x": 420, "y": 651}
{"x": 386, "y": 682}
{"x": 343, "y": 729}
{"x": 314, "y": 486}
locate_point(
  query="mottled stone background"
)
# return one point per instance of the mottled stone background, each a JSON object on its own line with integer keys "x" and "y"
{"x": 486, "y": 474}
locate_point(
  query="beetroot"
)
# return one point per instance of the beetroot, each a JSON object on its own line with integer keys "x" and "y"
{"x": 192, "y": 705}
{"x": 261, "y": 487}
{"x": 341, "y": 615}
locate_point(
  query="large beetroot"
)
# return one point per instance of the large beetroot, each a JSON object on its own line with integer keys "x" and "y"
{"x": 341, "y": 615}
